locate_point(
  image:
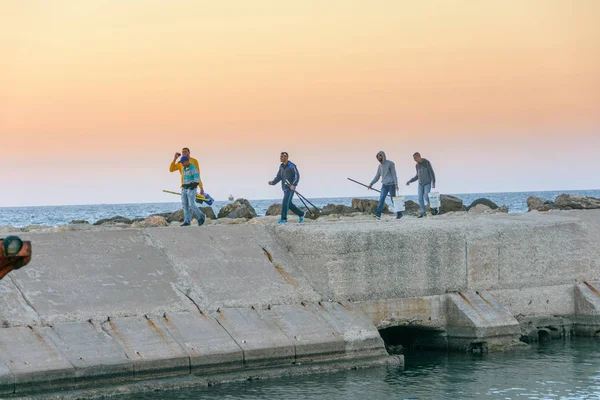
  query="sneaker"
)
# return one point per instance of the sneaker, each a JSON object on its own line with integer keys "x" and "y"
{"x": 185, "y": 224}
{"x": 399, "y": 215}
{"x": 377, "y": 217}
{"x": 201, "y": 221}
{"x": 420, "y": 216}
{"x": 301, "y": 218}
{"x": 282, "y": 221}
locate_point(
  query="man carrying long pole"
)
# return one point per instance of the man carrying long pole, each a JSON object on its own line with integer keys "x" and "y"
{"x": 389, "y": 182}
{"x": 290, "y": 177}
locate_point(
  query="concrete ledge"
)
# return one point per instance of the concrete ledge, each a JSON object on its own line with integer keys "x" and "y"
{"x": 361, "y": 338}
{"x": 7, "y": 380}
{"x": 259, "y": 337}
{"x": 313, "y": 338}
{"x": 587, "y": 309}
{"x": 93, "y": 353}
{"x": 208, "y": 345}
{"x": 154, "y": 352}
{"x": 34, "y": 360}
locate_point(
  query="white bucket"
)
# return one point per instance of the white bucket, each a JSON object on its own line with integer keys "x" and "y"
{"x": 398, "y": 203}
{"x": 434, "y": 200}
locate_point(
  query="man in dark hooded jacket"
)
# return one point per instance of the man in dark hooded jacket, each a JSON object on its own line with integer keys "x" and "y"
{"x": 290, "y": 177}
{"x": 387, "y": 172}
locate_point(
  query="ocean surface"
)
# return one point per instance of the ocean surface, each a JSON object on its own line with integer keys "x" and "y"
{"x": 61, "y": 215}
{"x": 558, "y": 369}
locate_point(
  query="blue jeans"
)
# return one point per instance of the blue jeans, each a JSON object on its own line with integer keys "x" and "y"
{"x": 188, "y": 199}
{"x": 288, "y": 205}
{"x": 385, "y": 191}
{"x": 424, "y": 194}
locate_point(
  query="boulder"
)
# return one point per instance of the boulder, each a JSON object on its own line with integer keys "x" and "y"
{"x": 485, "y": 202}
{"x": 411, "y": 208}
{"x": 537, "y": 204}
{"x": 368, "y": 206}
{"x": 177, "y": 216}
{"x": 151, "y": 222}
{"x": 338, "y": 209}
{"x": 274, "y": 209}
{"x": 502, "y": 209}
{"x": 241, "y": 208}
{"x": 450, "y": 203}
{"x": 567, "y": 201}
{"x": 114, "y": 220}
{"x": 78, "y": 222}
{"x": 480, "y": 209}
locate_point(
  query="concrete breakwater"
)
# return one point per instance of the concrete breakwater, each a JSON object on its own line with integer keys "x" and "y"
{"x": 230, "y": 302}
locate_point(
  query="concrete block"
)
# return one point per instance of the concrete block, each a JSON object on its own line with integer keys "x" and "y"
{"x": 35, "y": 362}
{"x": 7, "y": 380}
{"x": 263, "y": 342}
{"x": 75, "y": 276}
{"x": 537, "y": 300}
{"x": 155, "y": 353}
{"x": 587, "y": 309}
{"x": 227, "y": 267}
{"x": 313, "y": 337}
{"x": 424, "y": 311}
{"x": 208, "y": 345}
{"x": 478, "y": 314}
{"x": 93, "y": 353}
{"x": 357, "y": 330}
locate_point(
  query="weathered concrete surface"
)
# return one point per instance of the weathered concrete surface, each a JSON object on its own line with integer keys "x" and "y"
{"x": 208, "y": 345}
{"x": 14, "y": 310}
{"x": 7, "y": 380}
{"x": 474, "y": 317}
{"x": 75, "y": 276}
{"x": 224, "y": 267}
{"x": 154, "y": 352}
{"x": 93, "y": 353}
{"x": 587, "y": 309}
{"x": 34, "y": 360}
{"x": 313, "y": 337}
{"x": 259, "y": 337}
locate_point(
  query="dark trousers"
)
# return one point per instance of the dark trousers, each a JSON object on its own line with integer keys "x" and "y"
{"x": 288, "y": 205}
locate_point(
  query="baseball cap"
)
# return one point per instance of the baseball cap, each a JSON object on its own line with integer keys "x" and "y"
{"x": 184, "y": 158}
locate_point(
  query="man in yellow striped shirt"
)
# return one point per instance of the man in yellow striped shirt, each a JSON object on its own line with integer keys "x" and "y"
{"x": 176, "y": 166}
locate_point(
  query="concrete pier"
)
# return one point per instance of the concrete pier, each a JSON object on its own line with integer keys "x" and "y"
{"x": 98, "y": 307}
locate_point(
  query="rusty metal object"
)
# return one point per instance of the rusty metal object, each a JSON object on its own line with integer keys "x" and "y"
{"x": 16, "y": 261}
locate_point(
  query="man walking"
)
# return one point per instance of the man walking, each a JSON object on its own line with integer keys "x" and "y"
{"x": 177, "y": 166}
{"x": 191, "y": 180}
{"x": 289, "y": 176}
{"x": 389, "y": 182}
{"x": 426, "y": 178}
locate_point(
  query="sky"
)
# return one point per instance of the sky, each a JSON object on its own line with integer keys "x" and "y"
{"x": 96, "y": 96}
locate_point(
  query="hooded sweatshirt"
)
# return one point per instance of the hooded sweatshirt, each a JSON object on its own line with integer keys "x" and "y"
{"x": 386, "y": 171}
{"x": 287, "y": 172}
{"x": 425, "y": 174}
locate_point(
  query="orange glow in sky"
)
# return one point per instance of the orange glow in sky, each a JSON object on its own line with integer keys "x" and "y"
{"x": 97, "y": 95}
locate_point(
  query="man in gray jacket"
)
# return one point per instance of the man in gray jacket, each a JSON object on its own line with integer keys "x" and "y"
{"x": 426, "y": 178}
{"x": 387, "y": 172}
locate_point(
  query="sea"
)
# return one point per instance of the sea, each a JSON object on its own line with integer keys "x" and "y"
{"x": 19, "y": 217}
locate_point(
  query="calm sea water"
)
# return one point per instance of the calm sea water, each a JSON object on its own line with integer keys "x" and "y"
{"x": 60, "y": 215}
{"x": 568, "y": 369}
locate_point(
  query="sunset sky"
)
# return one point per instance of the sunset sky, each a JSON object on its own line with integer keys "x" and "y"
{"x": 96, "y": 96}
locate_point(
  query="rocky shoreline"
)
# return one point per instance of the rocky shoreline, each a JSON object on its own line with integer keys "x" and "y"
{"x": 241, "y": 212}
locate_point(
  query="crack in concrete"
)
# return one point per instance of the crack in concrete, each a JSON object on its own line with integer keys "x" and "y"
{"x": 27, "y": 301}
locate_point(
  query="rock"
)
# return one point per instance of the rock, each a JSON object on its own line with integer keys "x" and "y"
{"x": 480, "y": 209}
{"x": 486, "y": 202}
{"x": 274, "y": 209}
{"x": 241, "y": 208}
{"x": 164, "y": 215}
{"x": 503, "y": 209}
{"x": 114, "y": 220}
{"x": 78, "y": 222}
{"x": 368, "y": 206}
{"x": 537, "y": 204}
{"x": 151, "y": 222}
{"x": 338, "y": 209}
{"x": 209, "y": 212}
{"x": 450, "y": 203}
{"x": 177, "y": 216}
{"x": 566, "y": 201}
{"x": 411, "y": 208}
